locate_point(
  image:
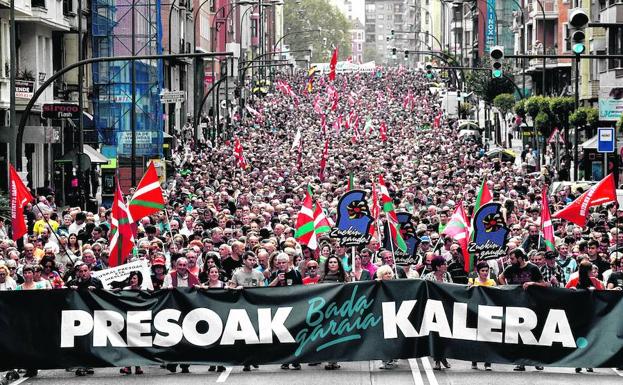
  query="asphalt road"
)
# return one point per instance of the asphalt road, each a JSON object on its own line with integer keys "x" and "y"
{"x": 408, "y": 372}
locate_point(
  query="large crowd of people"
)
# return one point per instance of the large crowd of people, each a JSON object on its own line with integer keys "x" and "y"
{"x": 233, "y": 227}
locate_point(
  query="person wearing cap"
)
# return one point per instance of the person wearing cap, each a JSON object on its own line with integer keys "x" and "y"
{"x": 158, "y": 269}
{"x": 551, "y": 271}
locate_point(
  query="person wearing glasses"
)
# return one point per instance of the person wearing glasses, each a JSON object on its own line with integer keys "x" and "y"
{"x": 312, "y": 273}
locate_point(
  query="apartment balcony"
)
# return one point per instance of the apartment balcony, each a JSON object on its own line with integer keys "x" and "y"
{"x": 593, "y": 89}
{"x": 22, "y": 7}
{"x": 5, "y": 95}
{"x": 549, "y": 6}
{"x": 612, "y": 14}
{"x": 537, "y": 64}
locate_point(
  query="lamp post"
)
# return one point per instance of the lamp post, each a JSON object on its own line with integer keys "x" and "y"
{"x": 295, "y": 33}
{"x": 523, "y": 48}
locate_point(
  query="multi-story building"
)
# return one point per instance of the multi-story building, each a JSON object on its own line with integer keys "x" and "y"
{"x": 383, "y": 17}
{"x": 610, "y": 71}
{"x": 46, "y": 41}
{"x": 357, "y": 33}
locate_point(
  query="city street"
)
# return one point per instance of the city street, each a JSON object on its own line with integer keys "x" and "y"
{"x": 415, "y": 371}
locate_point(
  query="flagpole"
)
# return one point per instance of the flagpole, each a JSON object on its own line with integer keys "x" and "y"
{"x": 166, "y": 215}
{"x": 391, "y": 246}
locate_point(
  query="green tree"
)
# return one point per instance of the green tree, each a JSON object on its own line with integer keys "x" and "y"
{"x": 620, "y": 123}
{"x": 5, "y": 208}
{"x": 504, "y": 103}
{"x": 487, "y": 87}
{"x": 520, "y": 108}
{"x": 369, "y": 52}
{"x": 311, "y": 15}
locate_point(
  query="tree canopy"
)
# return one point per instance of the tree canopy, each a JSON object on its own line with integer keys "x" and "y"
{"x": 311, "y": 15}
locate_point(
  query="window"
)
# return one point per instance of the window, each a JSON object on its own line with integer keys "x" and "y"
{"x": 566, "y": 47}
{"x": 68, "y": 7}
{"x": 359, "y": 47}
{"x": 38, "y": 3}
{"x": 615, "y": 46}
{"x": 212, "y": 5}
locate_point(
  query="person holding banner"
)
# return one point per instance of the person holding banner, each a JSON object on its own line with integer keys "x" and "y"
{"x": 333, "y": 273}
{"x": 483, "y": 279}
{"x": 180, "y": 277}
{"x": 521, "y": 272}
{"x": 135, "y": 280}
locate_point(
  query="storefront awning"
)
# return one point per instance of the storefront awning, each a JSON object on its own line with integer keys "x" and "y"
{"x": 590, "y": 144}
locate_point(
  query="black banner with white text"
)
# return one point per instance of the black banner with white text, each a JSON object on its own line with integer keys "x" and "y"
{"x": 327, "y": 322}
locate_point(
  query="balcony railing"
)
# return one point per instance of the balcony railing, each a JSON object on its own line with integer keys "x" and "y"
{"x": 539, "y": 51}
{"x": 549, "y": 6}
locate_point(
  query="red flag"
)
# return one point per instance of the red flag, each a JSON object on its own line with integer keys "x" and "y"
{"x": 383, "y": 131}
{"x": 121, "y": 236}
{"x": 239, "y": 153}
{"x": 599, "y": 194}
{"x": 20, "y": 196}
{"x": 323, "y": 160}
{"x": 458, "y": 229}
{"x": 375, "y": 210}
{"x": 148, "y": 198}
{"x": 546, "y": 222}
{"x": 332, "y": 65}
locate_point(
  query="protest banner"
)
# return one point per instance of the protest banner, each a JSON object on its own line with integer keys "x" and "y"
{"x": 371, "y": 320}
{"x": 116, "y": 276}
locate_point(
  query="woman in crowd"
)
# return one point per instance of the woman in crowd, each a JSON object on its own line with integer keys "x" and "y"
{"x": 483, "y": 279}
{"x": 333, "y": 273}
{"x": 439, "y": 274}
{"x": 6, "y": 282}
{"x": 28, "y": 272}
{"x": 50, "y": 273}
{"x": 385, "y": 273}
{"x": 586, "y": 280}
{"x": 159, "y": 271}
{"x": 359, "y": 273}
{"x": 135, "y": 280}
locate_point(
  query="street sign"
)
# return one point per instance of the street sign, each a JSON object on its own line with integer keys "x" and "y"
{"x": 605, "y": 139}
{"x": 173, "y": 96}
{"x": 60, "y": 110}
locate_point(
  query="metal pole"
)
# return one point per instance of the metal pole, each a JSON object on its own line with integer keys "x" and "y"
{"x": 81, "y": 176}
{"x": 133, "y": 85}
{"x": 12, "y": 75}
{"x": 523, "y": 51}
{"x": 172, "y": 6}
{"x": 544, "y": 47}
{"x": 261, "y": 37}
{"x": 577, "y": 105}
{"x": 64, "y": 70}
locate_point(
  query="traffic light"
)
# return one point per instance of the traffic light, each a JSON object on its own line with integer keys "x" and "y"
{"x": 406, "y": 55}
{"x": 497, "y": 56}
{"x": 429, "y": 70}
{"x": 393, "y": 32}
{"x": 578, "y": 21}
{"x": 393, "y": 53}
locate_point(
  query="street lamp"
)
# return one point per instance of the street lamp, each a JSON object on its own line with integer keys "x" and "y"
{"x": 294, "y": 33}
